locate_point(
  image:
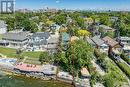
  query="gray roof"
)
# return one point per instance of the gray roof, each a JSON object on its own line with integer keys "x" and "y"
{"x": 41, "y": 35}
{"x": 106, "y": 27}
{"x": 90, "y": 41}
{"x": 53, "y": 40}
{"x": 16, "y": 36}
{"x": 124, "y": 38}
{"x": 97, "y": 40}
{"x": 2, "y": 24}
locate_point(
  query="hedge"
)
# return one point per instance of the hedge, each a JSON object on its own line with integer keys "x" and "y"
{"x": 125, "y": 58}
{"x": 124, "y": 68}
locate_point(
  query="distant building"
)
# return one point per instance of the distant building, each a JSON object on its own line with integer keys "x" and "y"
{"x": 106, "y": 28}
{"x": 3, "y": 27}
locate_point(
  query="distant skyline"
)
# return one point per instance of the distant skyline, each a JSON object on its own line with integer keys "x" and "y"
{"x": 75, "y": 4}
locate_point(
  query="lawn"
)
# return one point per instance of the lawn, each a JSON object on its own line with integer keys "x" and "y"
{"x": 32, "y": 54}
{"x": 9, "y": 52}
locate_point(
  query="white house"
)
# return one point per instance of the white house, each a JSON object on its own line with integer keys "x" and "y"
{"x": 3, "y": 27}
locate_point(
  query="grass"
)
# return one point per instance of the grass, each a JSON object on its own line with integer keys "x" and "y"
{"x": 9, "y": 52}
{"x": 32, "y": 54}
{"x": 125, "y": 68}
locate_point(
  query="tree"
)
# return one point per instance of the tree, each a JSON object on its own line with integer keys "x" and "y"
{"x": 44, "y": 57}
{"x": 83, "y": 34}
{"x": 81, "y": 53}
{"x": 60, "y": 19}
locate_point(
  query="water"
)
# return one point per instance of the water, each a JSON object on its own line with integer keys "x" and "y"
{"x": 21, "y": 81}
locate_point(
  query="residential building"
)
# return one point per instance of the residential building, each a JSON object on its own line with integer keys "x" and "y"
{"x": 106, "y": 28}
{"x": 52, "y": 43}
{"x": 100, "y": 44}
{"x": 113, "y": 45}
{"x": 16, "y": 39}
{"x": 124, "y": 41}
{"x": 55, "y": 27}
{"x": 38, "y": 41}
{"x": 3, "y": 27}
{"x": 85, "y": 73}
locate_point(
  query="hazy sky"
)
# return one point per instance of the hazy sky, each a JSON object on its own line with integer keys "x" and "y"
{"x": 75, "y": 4}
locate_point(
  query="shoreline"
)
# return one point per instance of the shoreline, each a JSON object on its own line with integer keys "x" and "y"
{"x": 13, "y": 73}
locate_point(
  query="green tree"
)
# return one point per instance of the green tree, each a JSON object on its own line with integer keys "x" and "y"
{"x": 79, "y": 53}
{"x": 44, "y": 57}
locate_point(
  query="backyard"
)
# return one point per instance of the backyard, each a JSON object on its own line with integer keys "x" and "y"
{"x": 9, "y": 52}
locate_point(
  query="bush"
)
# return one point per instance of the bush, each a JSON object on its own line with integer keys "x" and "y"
{"x": 97, "y": 53}
{"x": 124, "y": 67}
{"x": 125, "y": 58}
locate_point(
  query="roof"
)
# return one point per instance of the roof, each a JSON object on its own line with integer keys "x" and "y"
{"x": 110, "y": 41}
{"x": 90, "y": 41}
{"x": 73, "y": 38}
{"x": 106, "y": 27}
{"x": 2, "y": 24}
{"x": 16, "y": 36}
{"x": 53, "y": 39}
{"x": 124, "y": 38}
{"x": 126, "y": 47}
{"x": 84, "y": 72}
{"x": 41, "y": 35}
{"x": 97, "y": 40}
{"x": 65, "y": 37}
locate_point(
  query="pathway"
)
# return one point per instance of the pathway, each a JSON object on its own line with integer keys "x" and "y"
{"x": 98, "y": 68}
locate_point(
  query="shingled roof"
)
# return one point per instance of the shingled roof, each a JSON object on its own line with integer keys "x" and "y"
{"x": 97, "y": 40}
{"x": 110, "y": 41}
{"x": 15, "y": 36}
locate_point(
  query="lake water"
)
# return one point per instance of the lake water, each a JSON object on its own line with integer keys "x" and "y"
{"x": 21, "y": 81}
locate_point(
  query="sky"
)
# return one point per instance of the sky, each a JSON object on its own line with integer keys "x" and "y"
{"x": 75, "y": 4}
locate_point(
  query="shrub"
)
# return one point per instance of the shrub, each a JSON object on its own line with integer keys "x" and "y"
{"x": 124, "y": 67}
{"x": 125, "y": 58}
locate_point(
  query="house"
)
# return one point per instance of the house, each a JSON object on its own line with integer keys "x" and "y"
{"x": 52, "y": 43}
{"x": 38, "y": 41}
{"x": 90, "y": 41}
{"x": 69, "y": 19}
{"x": 85, "y": 73}
{"x": 100, "y": 44}
{"x": 54, "y": 27}
{"x": 106, "y": 28}
{"x": 113, "y": 45}
{"x": 65, "y": 38}
{"x": 16, "y": 39}
{"x": 126, "y": 49}
{"x": 124, "y": 41}
{"x": 74, "y": 38}
{"x": 3, "y": 27}
{"x": 88, "y": 21}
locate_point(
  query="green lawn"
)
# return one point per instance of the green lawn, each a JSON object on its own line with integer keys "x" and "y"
{"x": 32, "y": 54}
{"x": 9, "y": 52}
